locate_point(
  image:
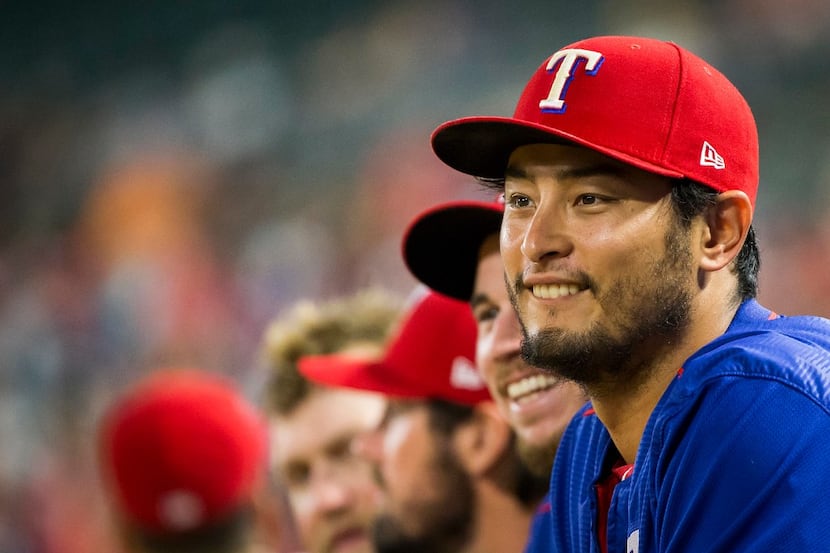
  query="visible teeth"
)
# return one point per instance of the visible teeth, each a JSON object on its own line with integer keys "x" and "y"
{"x": 530, "y": 385}
{"x": 554, "y": 290}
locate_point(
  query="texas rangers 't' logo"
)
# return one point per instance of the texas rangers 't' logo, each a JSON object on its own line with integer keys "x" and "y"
{"x": 568, "y": 61}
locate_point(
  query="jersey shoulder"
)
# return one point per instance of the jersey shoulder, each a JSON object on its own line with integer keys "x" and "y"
{"x": 789, "y": 351}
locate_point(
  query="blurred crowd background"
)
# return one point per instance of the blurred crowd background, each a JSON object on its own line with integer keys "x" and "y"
{"x": 173, "y": 174}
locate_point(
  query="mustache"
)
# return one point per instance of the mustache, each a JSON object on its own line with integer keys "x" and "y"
{"x": 518, "y": 283}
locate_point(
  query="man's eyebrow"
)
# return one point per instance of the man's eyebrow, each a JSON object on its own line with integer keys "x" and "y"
{"x": 340, "y": 440}
{"x": 478, "y": 299}
{"x": 570, "y": 173}
{"x": 515, "y": 173}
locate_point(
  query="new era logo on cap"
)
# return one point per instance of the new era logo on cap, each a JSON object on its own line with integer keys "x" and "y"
{"x": 181, "y": 510}
{"x": 464, "y": 375}
{"x": 709, "y": 157}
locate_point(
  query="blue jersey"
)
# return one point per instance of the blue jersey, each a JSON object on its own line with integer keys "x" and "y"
{"x": 538, "y": 539}
{"x": 734, "y": 458}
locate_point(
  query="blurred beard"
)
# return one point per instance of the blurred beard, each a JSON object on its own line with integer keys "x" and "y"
{"x": 658, "y": 316}
{"x": 537, "y": 458}
{"x": 445, "y": 522}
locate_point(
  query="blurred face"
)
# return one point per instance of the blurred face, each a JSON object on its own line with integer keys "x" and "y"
{"x": 598, "y": 268}
{"x": 537, "y": 405}
{"x": 332, "y": 491}
{"x": 428, "y": 497}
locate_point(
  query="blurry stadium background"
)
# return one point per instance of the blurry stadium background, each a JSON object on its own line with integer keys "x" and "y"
{"x": 173, "y": 174}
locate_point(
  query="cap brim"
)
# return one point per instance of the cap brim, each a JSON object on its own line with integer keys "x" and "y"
{"x": 343, "y": 371}
{"x": 441, "y": 245}
{"x": 481, "y": 146}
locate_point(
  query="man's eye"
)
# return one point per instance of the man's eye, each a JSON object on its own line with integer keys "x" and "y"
{"x": 297, "y": 475}
{"x": 342, "y": 449}
{"x": 518, "y": 200}
{"x": 485, "y": 314}
{"x": 587, "y": 199}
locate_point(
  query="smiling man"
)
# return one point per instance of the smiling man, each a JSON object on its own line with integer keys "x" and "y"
{"x": 454, "y": 249}
{"x": 630, "y": 173}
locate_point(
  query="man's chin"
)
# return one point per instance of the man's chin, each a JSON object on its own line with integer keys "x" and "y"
{"x": 390, "y": 537}
{"x": 537, "y": 457}
{"x": 353, "y": 541}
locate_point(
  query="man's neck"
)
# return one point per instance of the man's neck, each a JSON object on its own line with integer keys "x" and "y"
{"x": 625, "y": 407}
{"x": 625, "y": 412}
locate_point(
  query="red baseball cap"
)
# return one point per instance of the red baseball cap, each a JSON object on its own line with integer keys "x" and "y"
{"x": 644, "y": 102}
{"x": 430, "y": 357}
{"x": 440, "y": 246}
{"x": 180, "y": 450}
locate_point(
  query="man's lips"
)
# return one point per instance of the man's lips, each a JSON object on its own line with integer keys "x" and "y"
{"x": 344, "y": 539}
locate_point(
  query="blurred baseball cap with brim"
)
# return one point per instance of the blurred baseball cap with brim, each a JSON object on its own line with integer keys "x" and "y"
{"x": 430, "y": 356}
{"x": 645, "y": 102}
{"x": 181, "y": 450}
{"x": 441, "y": 245}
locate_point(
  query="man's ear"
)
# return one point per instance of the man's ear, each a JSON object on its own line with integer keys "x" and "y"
{"x": 726, "y": 225}
{"x": 481, "y": 442}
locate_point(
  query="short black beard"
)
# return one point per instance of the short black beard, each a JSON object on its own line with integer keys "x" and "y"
{"x": 447, "y": 523}
{"x": 596, "y": 358}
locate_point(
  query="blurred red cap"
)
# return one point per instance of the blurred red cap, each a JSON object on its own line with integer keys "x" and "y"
{"x": 181, "y": 450}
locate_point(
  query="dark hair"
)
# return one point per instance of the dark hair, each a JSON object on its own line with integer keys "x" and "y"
{"x": 689, "y": 200}
{"x": 445, "y": 416}
{"x": 229, "y": 535}
{"x": 516, "y": 478}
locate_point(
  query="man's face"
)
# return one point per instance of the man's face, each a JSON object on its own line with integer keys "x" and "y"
{"x": 537, "y": 405}
{"x": 597, "y": 266}
{"x": 428, "y": 496}
{"x": 331, "y": 490}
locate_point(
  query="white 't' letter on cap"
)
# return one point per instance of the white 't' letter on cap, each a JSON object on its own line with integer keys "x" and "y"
{"x": 555, "y": 102}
